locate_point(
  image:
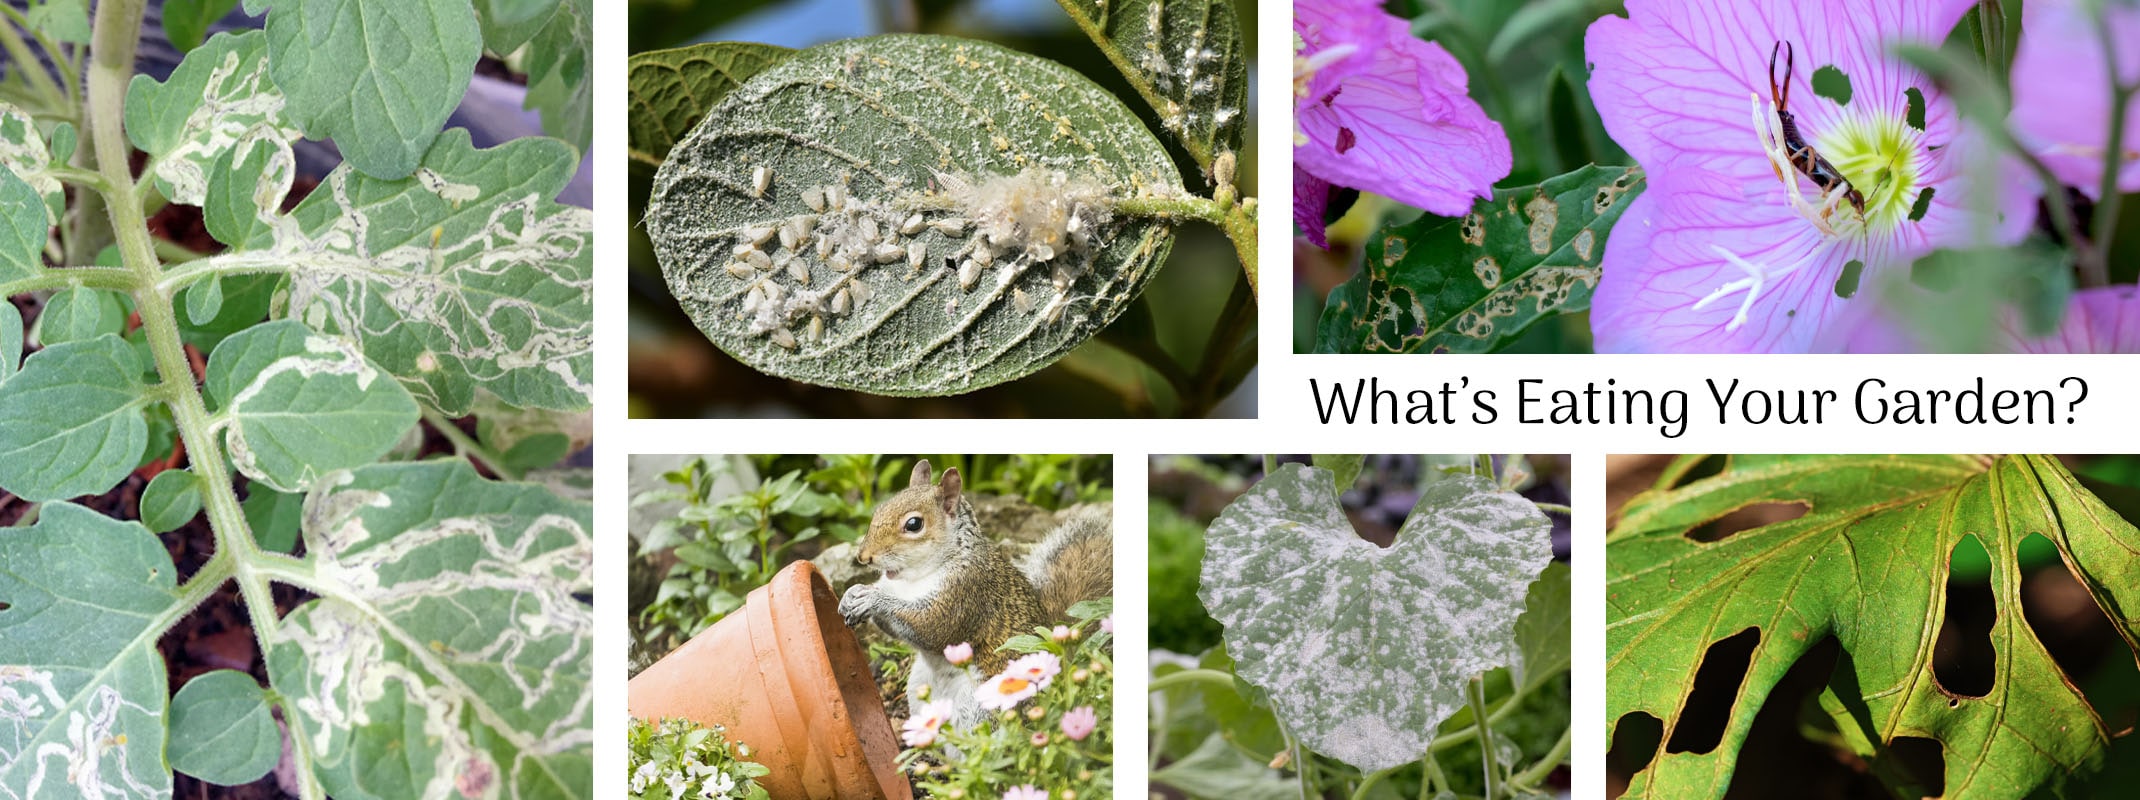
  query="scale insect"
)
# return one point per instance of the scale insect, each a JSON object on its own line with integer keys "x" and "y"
{"x": 1800, "y": 155}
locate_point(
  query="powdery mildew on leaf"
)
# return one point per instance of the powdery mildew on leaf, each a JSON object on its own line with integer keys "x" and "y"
{"x": 212, "y": 100}
{"x": 1365, "y": 650}
{"x": 1187, "y": 59}
{"x": 465, "y": 274}
{"x": 909, "y": 215}
{"x": 451, "y": 657}
{"x": 82, "y": 691}
{"x": 1475, "y": 284}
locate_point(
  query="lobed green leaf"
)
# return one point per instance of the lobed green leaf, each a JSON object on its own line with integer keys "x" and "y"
{"x": 560, "y": 81}
{"x": 671, "y": 90}
{"x": 1542, "y": 631}
{"x": 70, "y": 421}
{"x": 299, "y": 404}
{"x": 222, "y": 731}
{"x": 379, "y": 77}
{"x": 219, "y": 94}
{"x": 1475, "y": 284}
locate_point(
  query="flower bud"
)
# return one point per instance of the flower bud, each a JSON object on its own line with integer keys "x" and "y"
{"x": 1040, "y": 738}
{"x": 1079, "y": 675}
{"x": 1060, "y": 634}
{"x": 1035, "y": 713}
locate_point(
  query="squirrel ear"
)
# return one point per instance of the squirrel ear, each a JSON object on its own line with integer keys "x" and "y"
{"x": 921, "y": 474}
{"x": 947, "y": 493}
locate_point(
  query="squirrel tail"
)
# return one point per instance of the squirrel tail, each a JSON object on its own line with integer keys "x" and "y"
{"x": 1075, "y": 563}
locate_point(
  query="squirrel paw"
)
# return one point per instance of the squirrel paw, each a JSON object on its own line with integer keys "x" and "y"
{"x": 857, "y": 604}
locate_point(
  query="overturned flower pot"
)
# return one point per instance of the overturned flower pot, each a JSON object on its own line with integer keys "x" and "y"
{"x": 788, "y": 678}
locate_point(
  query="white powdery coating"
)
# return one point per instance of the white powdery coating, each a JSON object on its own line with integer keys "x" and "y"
{"x": 1365, "y": 650}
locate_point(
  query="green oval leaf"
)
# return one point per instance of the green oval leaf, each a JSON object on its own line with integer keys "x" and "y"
{"x": 379, "y": 77}
{"x": 78, "y": 314}
{"x": 1542, "y": 631}
{"x": 1185, "y": 57}
{"x": 1365, "y": 650}
{"x": 221, "y": 729}
{"x": 1474, "y": 285}
{"x": 937, "y": 146}
{"x": 70, "y": 423}
{"x": 301, "y": 404}
{"x": 24, "y": 227}
{"x": 455, "y": 658}
{"x": 171, "y": 500}
{"x": 1867, "y": 564}
{"x": 672, "y": 89}
{"x": 1344, "y": 469}
{"x": 83, "y": 599}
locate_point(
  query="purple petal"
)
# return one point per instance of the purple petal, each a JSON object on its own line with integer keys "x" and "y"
{"x": 2062, "y": 91}
{"x": 1311, "y": 196}
{"x": 2101, "y": 320}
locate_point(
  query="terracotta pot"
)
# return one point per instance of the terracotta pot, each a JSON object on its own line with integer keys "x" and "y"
{"x": 785, "y": 675}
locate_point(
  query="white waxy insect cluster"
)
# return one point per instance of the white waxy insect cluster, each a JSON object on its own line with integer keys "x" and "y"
{"x": 801, "y": 269}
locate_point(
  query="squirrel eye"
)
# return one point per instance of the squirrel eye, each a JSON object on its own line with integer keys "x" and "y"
{"x": 913, "y": 524}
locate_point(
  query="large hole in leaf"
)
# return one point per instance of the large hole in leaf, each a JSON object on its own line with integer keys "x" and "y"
{"x": 1634, "y": 746}
{"x": 1780, "y": 759}
{"x": 1921, "y": 760}
{"x": 1716, "y": 689}
{"x": 2078, "y": 636}
{"x": 1963, "y": 660}
{"x": 1747, "y": 518}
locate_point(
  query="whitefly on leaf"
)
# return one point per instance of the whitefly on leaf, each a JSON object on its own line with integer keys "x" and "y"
{"x": 1364, "y": 650}
{"x": 909, "y": 215}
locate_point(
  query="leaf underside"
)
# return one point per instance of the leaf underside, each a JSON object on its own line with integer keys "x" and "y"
{"x": 1185, "y": 56}
{"x": 672, "y": 89}
{"x": 1365, "y": 650}
{"x": 882, "y": 117}
{"x": 1473, "y": 285}
{"x": 1868, "y": 565}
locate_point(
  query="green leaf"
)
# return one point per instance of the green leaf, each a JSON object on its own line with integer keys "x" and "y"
{"x": 24, "y": 228}
{"x": 1867, "y": 564}
{"x": 1185, "y": 57}
{"x": 204, "y": 299}
{"x": 245, "y": 303}
{"x": 301, "y": 404}
{"x": 379, "y": 77}
{"x": 274, "y": 517}
{"x": 464, "y": 275}
{"x": 1542, "y": 631}
{"x": 221, "y": 729}
{"x": 1475, "y": 284}
{"x": 672, "y": 89}
{"x": 70, "y": 422}
{"x": 1364, "y": 650}
{"x": 22, "y": 152}
{"x": 78, "y": 314}
{"x": 508, "y": 24}
{"x": 454, "y": 653}
{"x": 530, "y": 438}
{"x": 185, "y": 22}
{"x": 245, "y": 193}
{"x": 883, "y": 122}
{"x": 560, "y": 85}
{"x": 65, "y": 20}
{"x": 1344, "y": 469}
{"x": 10, "y": 339}
{"x": 215, "y": 97}
{"x": 83, "y": 599}
{"x": 1216, "y": 769}
{"x": 171, "y": 500}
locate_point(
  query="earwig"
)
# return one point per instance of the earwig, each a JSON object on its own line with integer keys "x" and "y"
{"x": 1802, "y": 155}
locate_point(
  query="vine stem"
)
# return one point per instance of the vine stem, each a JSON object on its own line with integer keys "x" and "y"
{"x": 116, "y": 34}
{"x": 1475, "y": 692}
{"x": 1531, "y": 775}
{"x": 467, "y": 446}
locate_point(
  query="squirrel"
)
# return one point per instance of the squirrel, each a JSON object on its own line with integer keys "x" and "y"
{"x": 946, "y": 583}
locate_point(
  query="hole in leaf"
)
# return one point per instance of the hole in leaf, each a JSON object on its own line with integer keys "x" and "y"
{"x": 1923, "y": 762}
{"x": 1963, "y": 660}
{"x": 1923, "y": 204}
{"x": 1634, "y": 746}
{"x": 1916, "y": 117}
{"x": 1716, "y": 689}
{"x": 1747, "y": 518}
{"x": 2078, "y": 636}
{"x": 1831, "y": 83}
{"x": 1846, "y": 284}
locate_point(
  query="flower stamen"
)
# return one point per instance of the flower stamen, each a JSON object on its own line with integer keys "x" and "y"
{"x": 1757, "y": 278}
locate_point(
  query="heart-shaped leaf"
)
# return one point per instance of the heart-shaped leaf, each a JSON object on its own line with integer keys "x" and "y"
{"x": 1186, "y": 58}
{"x": 1365, "y": 650}
{"x": 909, "y": 215}
{"x": 1867, "y": 564}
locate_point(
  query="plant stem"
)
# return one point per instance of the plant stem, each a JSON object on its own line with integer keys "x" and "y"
{"x": 1554, "y": 508}
{"x": 1371, "y": 779}
{"x": 113, "y": 278}
{"x": 2107, "y": 197}
{"x": 1434, "y": 778}
{"x": 1475, "y": 692}
{"x": 1237, "y": 221}
{"x": 1531, "y": 775}
{"x": 467, "y": 446}
{"x": 1508, "y": 706}
{"x": 1188, "y": 676}
{"x": 1234, "y": 322}
{"x": 1270, "y": 464}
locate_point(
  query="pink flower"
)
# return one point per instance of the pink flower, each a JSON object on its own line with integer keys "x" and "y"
{"x": 1040, "y": 668}
{"x": 1107, "y": 624}
{"x": 1026, "y": 792}
{"x": 1377, "y": 109}
{"x": 2102, "y": 320}
{"x": 1004, "y": 692}
{"x": 1060, "y": 634}
{"x": 920, "y": 729}
{"x": 959, "y": 653}
{"x": 1040, "y": 739}
{"x": 1079, "y": 723}
{"x": 1717, "y": 255}
{"x": 2062, "y": 90}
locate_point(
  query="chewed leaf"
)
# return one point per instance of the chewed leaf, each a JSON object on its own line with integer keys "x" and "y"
{"x": 23, "y": 152}
{"x": 909, "y": 215}
{"x": 452, "y": 656}
{"x": 1185, "y": 56}
{"x": 461, "y": 276}
{"x": 379, "y": 77}
{"x": 1365, "y": 650}
{"x": 82, "y": 686}
{"x": 219, "y": 93}
{"x": 300, "y": 404}
{"x": 672, "y": 89}
{"x": 221, "y": 729}
{"x": 244, "y": 199}
{"x": 1474, "y": 285}
{"x": 70, "y": 421}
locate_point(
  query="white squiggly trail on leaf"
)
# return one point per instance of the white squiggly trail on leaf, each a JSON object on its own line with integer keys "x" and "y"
{"x": 328, "y": 356}
{"x": 239, "y": 98}
{"x": 23, "y": 152}
{"x": 1365, "y": 650}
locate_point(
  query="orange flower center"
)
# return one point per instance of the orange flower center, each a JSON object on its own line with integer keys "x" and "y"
{"x": 1012, "y": 685}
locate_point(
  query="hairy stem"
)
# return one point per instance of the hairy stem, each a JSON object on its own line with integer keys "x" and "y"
{"x": 1237, "y": 221}
{"x": 1554, "y": 508}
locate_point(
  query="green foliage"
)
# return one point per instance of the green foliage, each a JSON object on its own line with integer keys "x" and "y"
{"x": 1867, "y": 564}
{"x": 1475, "y": 284}
{"x": 222, "y": 730}
{"x": 1179, "y": 622}
{"x": 1030, "y": 743}
{"x": 676, "y": 759}
{"x": 378, "y": 77}
{"x": 1185, "y": 57}
{"x": 70, "y": 421}
{"x": 172, "y": 499}
{"x": 672, "y": 89}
